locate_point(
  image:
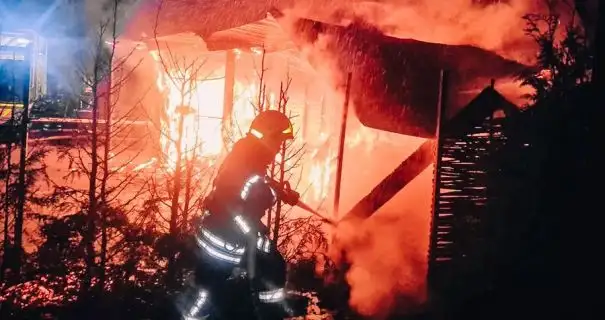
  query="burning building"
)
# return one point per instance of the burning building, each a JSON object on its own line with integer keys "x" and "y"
{"x": 394, "y": 84}
{"x": 199, "y": 76}
{"x": 217, "y": 79}
{"x": 471, "y": 229}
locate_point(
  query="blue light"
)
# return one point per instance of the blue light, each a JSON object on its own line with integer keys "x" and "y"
{"x": 8, "y": 40}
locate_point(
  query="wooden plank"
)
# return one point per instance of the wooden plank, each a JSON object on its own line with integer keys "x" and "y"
{"x": 409, "y": 169}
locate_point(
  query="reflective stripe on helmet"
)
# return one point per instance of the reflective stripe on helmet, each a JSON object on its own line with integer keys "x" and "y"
{"x": 256, "y": 133}
{"x": 272, "y": 124}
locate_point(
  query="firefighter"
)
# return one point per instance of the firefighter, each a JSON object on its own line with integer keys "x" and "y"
{"x": 232, "y": 240}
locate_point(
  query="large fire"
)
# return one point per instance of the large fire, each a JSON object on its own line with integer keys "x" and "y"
{"x": 314, "y": 177}
{"x": 194, "y": 112}
{"x": 193, "y": 118}
{"x": 193, "y": 115}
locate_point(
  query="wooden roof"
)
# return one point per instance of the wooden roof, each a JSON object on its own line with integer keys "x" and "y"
{"x": 170, "y": 17}
{"x": 481, "y": 107}
{"x": 266, "y": 33}
{"x": 396, "y": 81}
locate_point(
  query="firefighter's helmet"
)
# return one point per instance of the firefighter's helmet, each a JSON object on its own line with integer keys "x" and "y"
{"x": 271, "y": 126}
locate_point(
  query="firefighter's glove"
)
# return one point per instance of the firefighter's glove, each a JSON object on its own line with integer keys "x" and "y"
{"x": 263, "y": 243}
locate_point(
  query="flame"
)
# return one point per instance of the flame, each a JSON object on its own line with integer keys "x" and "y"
{"x": 243, "y": 108}
{"x": 193, "y": 110}
{"x": 194, "y": 113}
{"x": 319, "y": 178}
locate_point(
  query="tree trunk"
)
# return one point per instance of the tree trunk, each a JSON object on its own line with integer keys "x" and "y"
{"x": 103, "y": 191}
{"x": 6, "y": 246}
{"x": 89, "y": 235}
{"x": 188, "y": 178}
{"x": 18, "y": 244}
{"x": 278, "y": 208}
{"x": 270, "y": 211}
{"x": 174, "y": 204}
{"x": 7, "y": 243}
{"x": 106, "y": 149}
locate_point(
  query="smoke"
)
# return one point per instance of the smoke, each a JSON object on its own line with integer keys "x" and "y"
{"x": 101, "y": 12}
{"x": 496, "y": 26}
{"x": 388, "y": 252}
{"x": 388, "y": 262}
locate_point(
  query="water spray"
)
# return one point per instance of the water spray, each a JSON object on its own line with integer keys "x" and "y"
{"x": 291, "y": 197}
{"x": 307, "y": 208}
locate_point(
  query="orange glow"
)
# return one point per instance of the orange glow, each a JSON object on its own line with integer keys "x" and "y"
{"x": 320, "y": 173}
{"x": 195, "y": 107}
{"x": 243, "y": 109}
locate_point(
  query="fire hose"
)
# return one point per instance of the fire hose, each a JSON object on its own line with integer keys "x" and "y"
{"x": 291, "y": 197}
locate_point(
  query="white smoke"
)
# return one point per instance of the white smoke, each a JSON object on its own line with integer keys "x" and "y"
{"x": 388, "y": 252}
{"x": 101, "y": 12}
{"x": 496, "y": 27}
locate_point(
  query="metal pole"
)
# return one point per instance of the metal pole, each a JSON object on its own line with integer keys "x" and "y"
{"x": 441, "y": 108}
{"x": 341, "y": 146}
{"x": 228, "y": 97}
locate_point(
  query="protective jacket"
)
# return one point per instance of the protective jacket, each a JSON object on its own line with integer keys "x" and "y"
{"x": 240, "y": 197}
{"x": 232, "y": 236}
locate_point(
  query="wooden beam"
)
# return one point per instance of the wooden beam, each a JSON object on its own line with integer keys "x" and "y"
{"x": 409, "y": 169}
{"x": 341, "y": 147}
{"x": 228, "y": 94}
